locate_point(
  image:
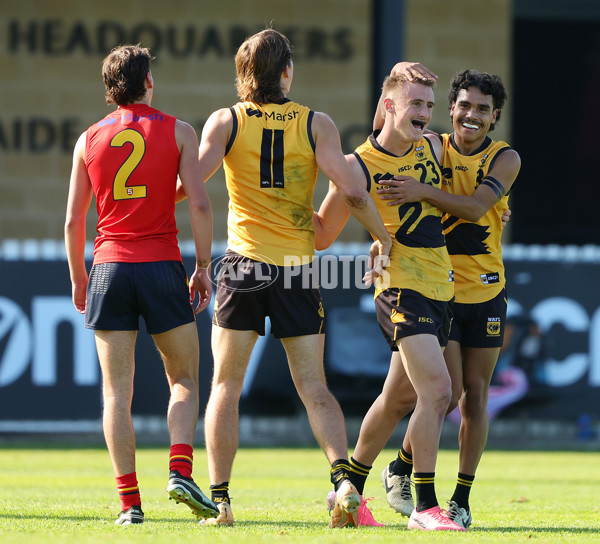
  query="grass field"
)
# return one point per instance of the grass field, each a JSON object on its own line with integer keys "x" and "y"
{"x": 56, "y": 495}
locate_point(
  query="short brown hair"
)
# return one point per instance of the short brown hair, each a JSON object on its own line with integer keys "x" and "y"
{"x": 259, "y": 63}
{"x": 124, "y": 73}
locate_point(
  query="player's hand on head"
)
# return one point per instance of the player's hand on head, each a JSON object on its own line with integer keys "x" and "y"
{"x": 414, "y": 71}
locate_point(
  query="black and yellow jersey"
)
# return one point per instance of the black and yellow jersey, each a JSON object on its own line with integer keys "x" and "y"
{"x": 474, "y": 248}
{"x": 271, "y": 172}
{"x": 418, "y": 258}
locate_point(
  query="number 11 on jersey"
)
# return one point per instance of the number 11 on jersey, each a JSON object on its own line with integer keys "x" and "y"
{"x": 271, "y": 159}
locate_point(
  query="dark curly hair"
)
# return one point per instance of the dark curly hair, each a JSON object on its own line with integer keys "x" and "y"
{"x": 486, "y": 83}
{"x": 259, "y": 63}
{"x": 124, "y": 73}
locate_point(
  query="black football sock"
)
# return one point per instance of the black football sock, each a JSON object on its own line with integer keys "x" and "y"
{"x": 220, "y": 493}
{"x": 403, "y": 465}
{"x": 358, "y": 474}
{"x": 339, "y": 472}
{"x": 425, "y": 490}
{"x": 462, "y": 490}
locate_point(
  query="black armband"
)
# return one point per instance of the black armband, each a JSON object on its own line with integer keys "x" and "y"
{"x": 495, "y": 185}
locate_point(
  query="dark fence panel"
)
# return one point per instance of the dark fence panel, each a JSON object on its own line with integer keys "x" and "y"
{"x": 549, "y": 367}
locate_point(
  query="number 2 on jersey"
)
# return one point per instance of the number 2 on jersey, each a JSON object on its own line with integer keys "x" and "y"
{"x": 121, "y": 191}
{"x": 271, "y": 159}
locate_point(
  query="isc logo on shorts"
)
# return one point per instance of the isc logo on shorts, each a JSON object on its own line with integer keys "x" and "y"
{"x": 492, "y": 277}
{"x": 493, "y": 326}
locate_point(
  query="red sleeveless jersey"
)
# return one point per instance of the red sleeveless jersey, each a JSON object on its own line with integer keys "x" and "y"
{"x": 132, "y": 160}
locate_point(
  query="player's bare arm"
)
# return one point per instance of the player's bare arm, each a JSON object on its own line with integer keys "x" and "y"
{"x": 190, "y": 177}
{"x": 79, "y": 200}
{"x": 491, "y": 189}
{"x": 213, "y": 143}
{"x": 329, "y": 221}
{"x": 215, "y": 135}
{"x": 331, "y": 161}
{"x": 333, "y": 213}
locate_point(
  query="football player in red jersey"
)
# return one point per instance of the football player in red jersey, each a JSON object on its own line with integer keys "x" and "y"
{"x": 130, "y": 161}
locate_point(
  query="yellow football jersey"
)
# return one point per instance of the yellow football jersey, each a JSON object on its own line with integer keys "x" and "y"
{"x": 418, "y": 259}
{"x": 474, "y": 248}
{"x": 271, "y": 172}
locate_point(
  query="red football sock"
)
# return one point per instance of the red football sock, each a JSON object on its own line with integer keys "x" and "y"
{"x": 181, "y": 459}
{"x": 129, "y": 492}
